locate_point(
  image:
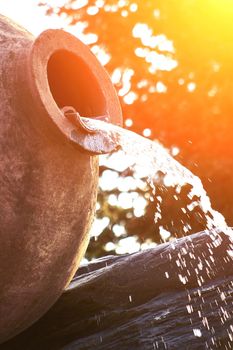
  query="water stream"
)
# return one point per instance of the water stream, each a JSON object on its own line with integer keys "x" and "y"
{"x": 149, "y": 159}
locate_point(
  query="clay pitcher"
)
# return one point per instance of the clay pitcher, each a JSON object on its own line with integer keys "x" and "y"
{"x": 48, "y": 183}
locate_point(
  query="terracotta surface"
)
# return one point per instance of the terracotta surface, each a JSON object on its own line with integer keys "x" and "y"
{"x": 47, "y": 185}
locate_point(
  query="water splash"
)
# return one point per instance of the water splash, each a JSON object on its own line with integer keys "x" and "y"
{"x": 150, "y": 159}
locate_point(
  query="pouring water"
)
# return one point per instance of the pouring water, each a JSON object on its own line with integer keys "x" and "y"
{"x": 149, "y": 159}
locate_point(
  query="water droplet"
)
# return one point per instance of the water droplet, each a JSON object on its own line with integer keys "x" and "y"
{"x": 197, "y": 332}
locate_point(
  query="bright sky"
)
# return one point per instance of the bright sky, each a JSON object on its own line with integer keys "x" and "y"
{"x": 28, "y": 14}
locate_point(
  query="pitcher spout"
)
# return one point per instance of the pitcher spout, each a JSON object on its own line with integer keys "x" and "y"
{"x": 92, "y": 135}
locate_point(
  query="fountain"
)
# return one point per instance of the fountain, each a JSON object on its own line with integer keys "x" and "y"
{"x": 162, "y": 298}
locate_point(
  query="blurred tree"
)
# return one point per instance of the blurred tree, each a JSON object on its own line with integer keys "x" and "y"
{"x": 171, "y": 63}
